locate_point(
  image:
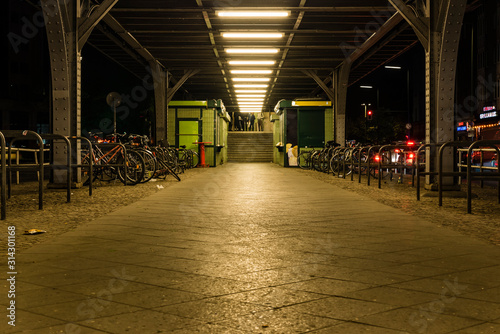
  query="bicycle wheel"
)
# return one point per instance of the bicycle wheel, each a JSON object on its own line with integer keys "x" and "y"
{"x": 135, "y": 168}
{"x": 195, "y": 159}
{"x": 335, "y": 163}
{"x": 168, "y": 169}
{"x": 150, "y": 165}
{"x": 85, "y": 171}
{"x": 304, "y": 160}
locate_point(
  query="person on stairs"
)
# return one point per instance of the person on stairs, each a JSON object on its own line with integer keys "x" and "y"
{"x": 252, "y": 122}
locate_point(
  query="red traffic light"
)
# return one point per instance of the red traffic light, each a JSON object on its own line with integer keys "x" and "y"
{"x": 369, "y": 115}
{"x": 369, "y": 112}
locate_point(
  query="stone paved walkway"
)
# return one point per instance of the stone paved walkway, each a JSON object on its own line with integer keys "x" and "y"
{"x": 255, "y": 248}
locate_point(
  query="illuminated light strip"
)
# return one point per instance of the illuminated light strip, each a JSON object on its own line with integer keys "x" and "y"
{"x": 251, "y": 62}
{"x": 250, "y": 91}
{"x": 250, "y": 86}
{"x": 485, "y": 126}
{"x": 252, "y": 79}
{"x": 251, "y": 71}
{"x": 252, "y": 51}
{"x": 251, "y": 35}
{"x": 243, "y": 13}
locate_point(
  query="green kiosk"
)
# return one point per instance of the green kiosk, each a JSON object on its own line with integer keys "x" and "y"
{"x": 200, "y": 125}
{"x": 300, "y": 125}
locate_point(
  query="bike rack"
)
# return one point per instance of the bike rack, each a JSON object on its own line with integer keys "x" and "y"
{"x": 441, "y": 174}
{"x": 3, "y": 214}
{"x": 368, "y": 167}
{"x": 23, "y": 135}
{"x": 361, "y": 164}
{"x": 481, "y": 175}
{"x": 335, "y": 150}
{"x": 352, "y": 152}
{"x": 55, "y": 137}
{"x": 339, "y": 151}
{"x": 418, "y": 164}
{"x": 391, "y": 165}
{"x": 91, "y": 162}
{"x": 461, "y": 165}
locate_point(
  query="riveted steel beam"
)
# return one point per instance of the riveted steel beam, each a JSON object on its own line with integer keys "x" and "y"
{"x": 160, "y": 89}
{"x": 341, "y": 9}
{"x": 419, "y": 25}
{"x": 441, "y": 62}
{"x": 88, "y": 24}
{"x": 185, "y": 77}
{"x": 65, "y": 64}
{"x": 329, "y": 92}
{"x": 340, "y": 83}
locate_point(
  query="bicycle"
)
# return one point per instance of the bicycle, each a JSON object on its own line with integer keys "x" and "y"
{"x": 112, "y": 164}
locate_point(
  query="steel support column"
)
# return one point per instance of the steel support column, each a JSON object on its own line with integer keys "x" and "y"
{"x": 439, "y": 32}
{"x": 160, "y": 89}
{"x": 63, "y": 20}
{"x": 65, "y": 61}
{"x": 340, "y": 83}
{"x": 446, "y": 19}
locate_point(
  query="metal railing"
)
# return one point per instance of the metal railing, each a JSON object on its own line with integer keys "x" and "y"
{"x": 361, "y": 160}
{"x": 482, "y": 175}
{"x": 3, "y": 195}
{"x": 18, "y": 135}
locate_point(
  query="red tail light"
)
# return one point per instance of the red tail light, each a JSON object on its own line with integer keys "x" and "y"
{"x": 410, "y": 143}
{"x": 411, "y": 156}
{"x": 377, "y": 158}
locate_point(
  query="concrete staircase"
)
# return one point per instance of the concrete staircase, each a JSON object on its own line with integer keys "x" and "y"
{"x": 246, "y": 146}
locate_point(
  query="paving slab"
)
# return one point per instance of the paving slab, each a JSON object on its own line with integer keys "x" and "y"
{"x": 256, "y": 248}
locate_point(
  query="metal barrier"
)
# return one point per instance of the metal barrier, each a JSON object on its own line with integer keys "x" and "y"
{"x": 3, "y": 194}
{"x": 336, "y": 153}
{"x": 481, "y": 166}
{"x": 481, "y": 175}
{"x": 91, "y": 161}
{"x": 17, "y": 135}
{"x": 18, "y": 151}
{"x": 441, "y": 174}
{"x": 418, "y": 166}
{"x": 368, "y": 163}
{"x": 55, "y": 137}
{"x": 390, "y": 165}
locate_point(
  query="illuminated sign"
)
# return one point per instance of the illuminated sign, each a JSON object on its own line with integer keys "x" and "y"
{"x": 460, "y": 123}
{"x": 490, "y": 108}
{"x": 488, "y": 115}
{"x": 312, "y": 103}
{"x": 462, "y": 128}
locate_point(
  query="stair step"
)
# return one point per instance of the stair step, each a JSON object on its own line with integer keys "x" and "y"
{"x": 250, "y": 146}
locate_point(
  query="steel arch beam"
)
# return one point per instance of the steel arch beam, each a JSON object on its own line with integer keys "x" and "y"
{"x": 185, "y": 77}
{"x": 88, "y": 24}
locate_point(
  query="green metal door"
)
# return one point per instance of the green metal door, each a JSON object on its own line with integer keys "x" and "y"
{"x": 189, "y": 132}
{"x": 311, "y": 128}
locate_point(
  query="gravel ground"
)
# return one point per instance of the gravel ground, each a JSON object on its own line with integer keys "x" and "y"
{"x": 59, "y": 217}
